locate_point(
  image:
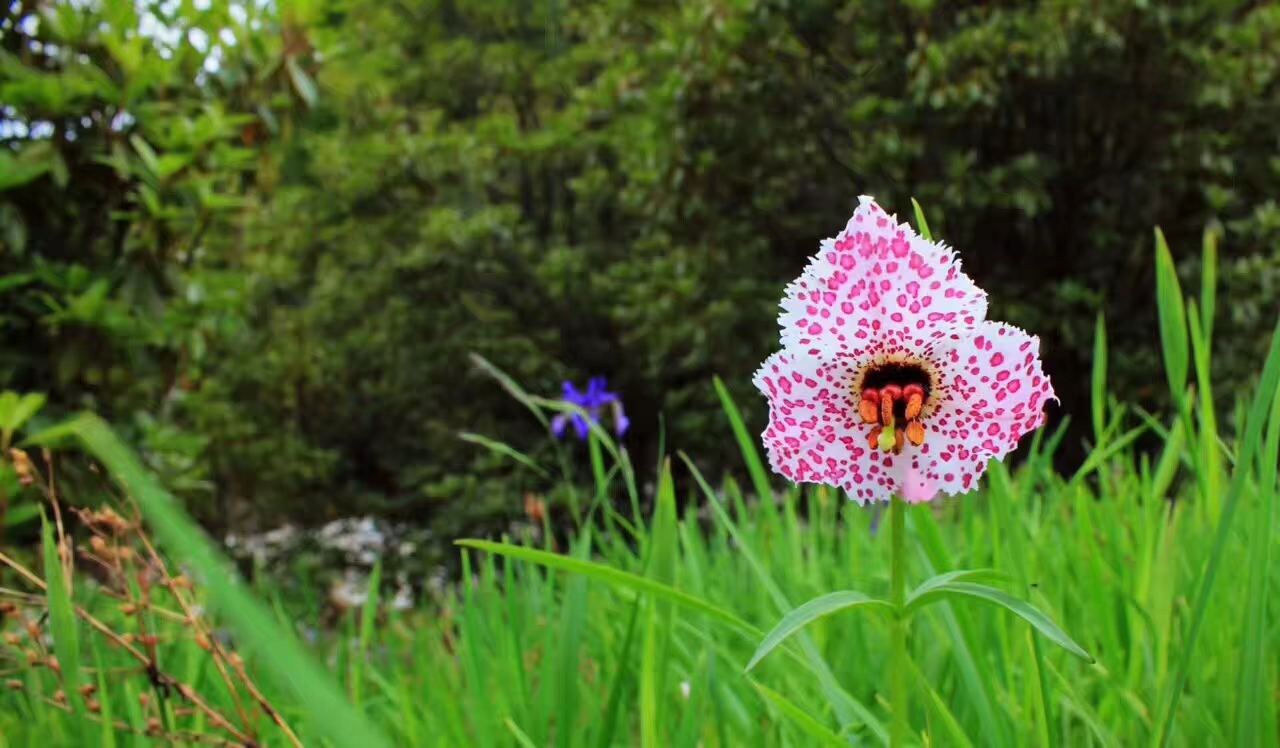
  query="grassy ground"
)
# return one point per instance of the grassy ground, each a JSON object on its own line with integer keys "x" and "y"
{"x": 1160, "y": 568}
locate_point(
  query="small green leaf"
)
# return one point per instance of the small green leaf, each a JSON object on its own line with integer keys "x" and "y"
{"x": 13, "y": 231}
{"x": 1020, "y": 608}
{"x": 171, "y": 163}
{"x": 302, "y": 83}
{"x": 21, "y": 514}
{"x": 15, "y": 172}
{"x": 17, "y": 280}
{"x": 518, "y": 734}
{"x": 819, "y": 607}
{"x": 146, "y": 153}
{"x": 923, "y": 224}
{"x": 22, "y": 411}
{"x": 54, "y": 436}
{"x": 941, "y": 580}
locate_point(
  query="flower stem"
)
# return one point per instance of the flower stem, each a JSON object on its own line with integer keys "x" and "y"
{"x": 898, "y": 652}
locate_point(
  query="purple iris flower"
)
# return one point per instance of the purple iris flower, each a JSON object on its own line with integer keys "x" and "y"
{"x": 596, "y": 398}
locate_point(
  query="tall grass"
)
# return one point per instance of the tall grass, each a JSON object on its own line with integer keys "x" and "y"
{"x": 640, "y": 632}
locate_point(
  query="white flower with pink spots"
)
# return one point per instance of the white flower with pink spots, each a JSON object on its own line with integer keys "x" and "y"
{"x": 891, "y": 379}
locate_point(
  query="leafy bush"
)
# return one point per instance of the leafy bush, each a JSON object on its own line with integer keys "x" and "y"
{"x": 622, "y": 189}
{"x": 133, "y": 138}
{"x": 615, "y": 189}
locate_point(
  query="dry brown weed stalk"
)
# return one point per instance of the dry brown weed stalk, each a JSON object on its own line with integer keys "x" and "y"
{"x": 158, "y": 609}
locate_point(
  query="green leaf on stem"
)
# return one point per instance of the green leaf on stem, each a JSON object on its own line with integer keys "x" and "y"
{"x": 1020, "y": 608}
{"x": 819, "y": 607}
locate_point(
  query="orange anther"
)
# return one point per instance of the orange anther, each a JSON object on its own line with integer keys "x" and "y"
{"x": 915, "y": 404}
{"x": 875, "y": 438}
{"x": 915, "y": 433}
{"x": 869, "y": 411}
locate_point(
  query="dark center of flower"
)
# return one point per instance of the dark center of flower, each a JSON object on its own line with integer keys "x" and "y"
{"x": 894, "y": 395}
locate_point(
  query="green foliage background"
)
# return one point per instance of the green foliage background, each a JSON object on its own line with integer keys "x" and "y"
{"x": 271, "y": 271}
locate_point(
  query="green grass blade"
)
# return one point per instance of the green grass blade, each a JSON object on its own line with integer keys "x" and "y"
{"x": 806, "y": 722}
{"x": 1020, "y": 608}
{"x": 512, "y": 388}
{"x": 975, "y": 680}
{"x": 811, "y": 611}
{"x": 368, "y": 619}
{"x": 1253, "y": 693}
{"x": 275, "y": 647}
{"x": 620, "y": 682}
{"x": 615, "y": 577}
{"x": 921, "y": 224}
{"x": 64, "y": 626}
{"x": 1098, "y": 457}
{"x": 1258, "y": 412}
{"x": 570, "y": 636}
{"x": 1209, "y": 473}
{"x": 746, "y": 443}
{"x": 1173, "y": 318}
{"x": 649, "y": 736}
{"x": 940, "y": 710}
{"x": 661, "y": 566}
{"x": 107, "y": 712}
{"x": 521, "y": 738}
{"x": 505, "y": 450}
{"x": 1209, "y": 280}
{"x": 847, "y": 709}
{"x": 1099, "y": 380}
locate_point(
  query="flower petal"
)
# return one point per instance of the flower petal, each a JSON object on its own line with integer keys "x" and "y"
{"x": 917, "y": 487}
{"x": 580, "y": 424}
{"x": 815, "y": 434}
{"x": 571, "y": 393}
{"x": 879, "y": 281}
{"x": 995, "y": 392}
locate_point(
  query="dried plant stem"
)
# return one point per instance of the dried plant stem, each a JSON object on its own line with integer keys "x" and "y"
{"x": 176, "y": 737}
{"x": 220, "y": 657}
{"x": 183, "y": 689}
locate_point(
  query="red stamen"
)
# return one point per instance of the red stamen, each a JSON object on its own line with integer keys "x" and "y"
{"x": 888, "y": 394}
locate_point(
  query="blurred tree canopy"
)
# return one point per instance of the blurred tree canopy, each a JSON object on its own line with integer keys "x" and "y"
{"x": 618, "y": 188}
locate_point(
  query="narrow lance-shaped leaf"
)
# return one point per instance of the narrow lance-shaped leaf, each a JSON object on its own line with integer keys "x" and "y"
{"x": 811, "y": 611}
{"x": 1020, "y": 608}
